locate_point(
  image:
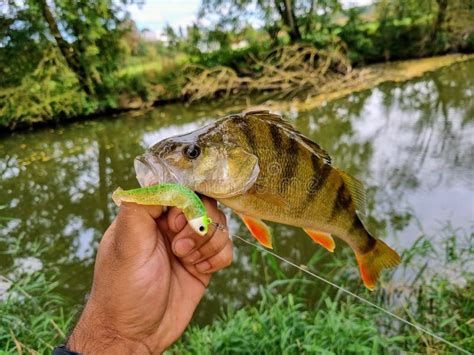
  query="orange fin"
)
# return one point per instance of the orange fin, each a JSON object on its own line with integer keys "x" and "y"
{"x": 324, "y": 239}
{"x": 371, "y": 263}
{"x": 259, "y": 230}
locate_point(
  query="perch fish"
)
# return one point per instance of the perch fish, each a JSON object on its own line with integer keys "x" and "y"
{"x": 261, "y": 167}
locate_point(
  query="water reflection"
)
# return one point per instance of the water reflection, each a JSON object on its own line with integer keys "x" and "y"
{"x": 411, "y": 143}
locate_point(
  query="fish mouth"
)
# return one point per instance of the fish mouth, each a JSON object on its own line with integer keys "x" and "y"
{"x": 152, "y": 171}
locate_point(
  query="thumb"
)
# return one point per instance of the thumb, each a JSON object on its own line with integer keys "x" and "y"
{"x": 135, "y": 229}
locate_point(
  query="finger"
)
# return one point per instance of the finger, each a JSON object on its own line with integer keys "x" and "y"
{"x": 135, "y": 228}
{"x": 212, "y": 247}
{"x": 187, "y": 240}
{"x": 217, "y": 262}
{"x": 176, "y": 220}
{"x": 208, "y": 201}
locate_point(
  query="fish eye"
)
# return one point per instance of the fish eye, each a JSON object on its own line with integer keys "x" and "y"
{"x": 201, "y": 228}
{"x": 192, "y": 151}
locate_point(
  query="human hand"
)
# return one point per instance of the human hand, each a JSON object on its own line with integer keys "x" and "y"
{"x": 151, "y": 272}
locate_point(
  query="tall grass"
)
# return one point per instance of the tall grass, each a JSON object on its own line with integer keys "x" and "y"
{"x": 35, "y": 317}
{"x": 284, "y": 324}
{"x": 288, "y": 322}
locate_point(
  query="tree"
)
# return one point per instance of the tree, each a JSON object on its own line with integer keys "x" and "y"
{"x": 286, "y": 9}
{"x": 296, "y": 17}
{"x": 70, "y": 54}
{"x": 22, "y": 41}
{"x": 87, "y": 33}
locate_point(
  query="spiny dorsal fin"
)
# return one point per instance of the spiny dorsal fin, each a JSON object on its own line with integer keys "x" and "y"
{"x": 278, "y": 120}
{"x": 357, "y": 191}
{"x": 316, "y": 149}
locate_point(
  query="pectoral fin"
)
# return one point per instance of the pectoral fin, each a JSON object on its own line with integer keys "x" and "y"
{"x": 273, "y": 198}
{"x": 324, "y": 239}
{"x": 259, "y": 230}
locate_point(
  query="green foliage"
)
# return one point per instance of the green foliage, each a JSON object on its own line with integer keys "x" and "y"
{"x": 50, "y": 91}
{"x": 237, "y": 59}
{"x": 285, "y": 321}
{"x": 108, "y": 63}
{"x": 34, "y": 316}
{"x": 389, "y": 39}
{"x": 284, "y": 324}
{"x": 16, "y": 42}
{"x": 94, "y": 30}
{"x": 59, "y": 61}
{"x": 468, "y": 46}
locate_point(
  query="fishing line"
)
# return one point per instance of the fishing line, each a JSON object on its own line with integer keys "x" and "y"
{"x": 362, "y": 299}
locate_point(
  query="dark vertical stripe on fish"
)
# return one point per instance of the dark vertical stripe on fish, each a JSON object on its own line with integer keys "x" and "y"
{"x": 371, "y": 242}
{"x": 356, "y": 229}
{"x": 290, "y": 168}
{"x": 276, "y": 137}
{"x": 321, "y": 172}
{"x": 243, "y": 124}
{"x": 342, "y": 202}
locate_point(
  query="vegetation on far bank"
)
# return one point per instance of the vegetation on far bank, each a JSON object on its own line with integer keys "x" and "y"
{"x": 61, "y": 59}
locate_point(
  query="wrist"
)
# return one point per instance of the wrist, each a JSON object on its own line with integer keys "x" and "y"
{"x": 92, "y": 336}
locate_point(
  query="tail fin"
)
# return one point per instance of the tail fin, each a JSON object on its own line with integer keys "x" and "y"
{"x": 371, "y": 263}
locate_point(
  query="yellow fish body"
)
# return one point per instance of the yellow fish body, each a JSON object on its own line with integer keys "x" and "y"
{"x": 261, "y": 167}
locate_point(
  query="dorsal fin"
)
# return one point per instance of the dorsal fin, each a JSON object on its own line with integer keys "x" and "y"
{"x": 278, "y": 120}
{"x": 316, "y": 149}
{"x": 356, "y": 189}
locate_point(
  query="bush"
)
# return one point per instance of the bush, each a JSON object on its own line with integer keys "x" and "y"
{"x": 390, "y": 40}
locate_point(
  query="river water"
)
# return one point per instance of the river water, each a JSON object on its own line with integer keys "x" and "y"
{"x": 411, "y": 143}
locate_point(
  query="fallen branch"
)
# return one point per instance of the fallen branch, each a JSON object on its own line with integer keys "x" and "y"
{"x": 291, "y": 70}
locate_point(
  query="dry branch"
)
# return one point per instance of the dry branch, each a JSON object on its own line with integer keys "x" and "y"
{"x": 290, "y": 70}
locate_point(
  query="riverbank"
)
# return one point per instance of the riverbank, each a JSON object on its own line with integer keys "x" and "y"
{"x": 357, "y": 80}
{"x": 335, "y": 87}
{"x": 371, "y": 76}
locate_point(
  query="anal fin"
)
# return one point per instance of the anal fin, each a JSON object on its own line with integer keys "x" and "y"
{"x": 259, "y": 230}
{"x": 322, "y": 238}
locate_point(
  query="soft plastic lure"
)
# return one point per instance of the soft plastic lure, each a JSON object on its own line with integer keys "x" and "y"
{"x": 169, "y": 195}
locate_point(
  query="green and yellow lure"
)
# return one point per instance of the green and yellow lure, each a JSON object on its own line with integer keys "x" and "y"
{"x": 173, "y": 195}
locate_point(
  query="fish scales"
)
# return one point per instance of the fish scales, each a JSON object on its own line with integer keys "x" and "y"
{"x": 301, "y": 179}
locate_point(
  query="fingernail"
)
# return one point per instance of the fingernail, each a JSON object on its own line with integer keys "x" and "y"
{"x": 203, "y": 266}
{"x": 183, "y": 247}
{"x": 180, "y": 222}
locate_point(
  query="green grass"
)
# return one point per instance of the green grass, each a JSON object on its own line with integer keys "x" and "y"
{"x": 142, "y": 66}
{"x": 35, "y": 316}
{"x": 286, "y": 324}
